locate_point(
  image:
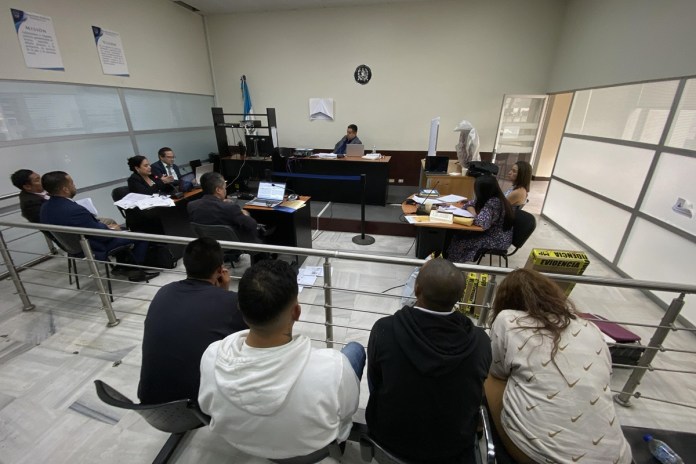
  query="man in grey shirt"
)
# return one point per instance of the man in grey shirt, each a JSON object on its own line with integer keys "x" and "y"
{"x": 350, "y": 137}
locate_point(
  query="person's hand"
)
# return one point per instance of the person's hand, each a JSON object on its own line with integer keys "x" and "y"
{"x": 223, "y": 280}
{"x": 114, "y": 227}
{"x": 472, "y": 210}
{"x": 245, "y": 212}
{"x": 167, "y": 179}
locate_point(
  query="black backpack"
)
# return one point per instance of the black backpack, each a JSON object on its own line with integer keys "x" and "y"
{"x": 480, "y": 168}
{"x": 159, "y": 255}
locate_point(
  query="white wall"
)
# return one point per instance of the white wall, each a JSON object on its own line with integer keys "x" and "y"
{"x": 164, "y": 44}
{"x": 453, "y": 59}
{"x": 617, "y": 41}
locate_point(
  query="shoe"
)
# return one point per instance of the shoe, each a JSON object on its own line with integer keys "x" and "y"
{"x": 138, "y": 275}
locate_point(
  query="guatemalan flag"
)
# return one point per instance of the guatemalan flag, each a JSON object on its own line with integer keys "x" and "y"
{"x": 246, "y": 98}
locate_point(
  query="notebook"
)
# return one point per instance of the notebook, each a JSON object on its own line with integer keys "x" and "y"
{"x": 436, "y": 164}
{"x": 202, "y": 169}
{"x": 270, "y": 194}
{"x": 355, "y": 149}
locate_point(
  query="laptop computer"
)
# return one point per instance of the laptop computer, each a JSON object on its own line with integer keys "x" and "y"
{"x": 270, "y": 194}
{"x": 436, "y": 164}
{"x": 202, "y": 169}
{"x": 355, "y": 149}
{"x": 186, "y": 181}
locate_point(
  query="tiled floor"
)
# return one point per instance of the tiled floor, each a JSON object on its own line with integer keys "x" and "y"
{"x": 49, "y": 357}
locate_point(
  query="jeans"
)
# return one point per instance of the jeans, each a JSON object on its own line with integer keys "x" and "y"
{"x": 355, "y": 353}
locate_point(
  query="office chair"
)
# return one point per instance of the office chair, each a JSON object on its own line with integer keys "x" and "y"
{"x": 487, "y": 435}
{"x": 227, "y": 234}
{"x": 70, "y": 244}
{"x": 176, "y": 417}
{"x": 522, "y": 228}
{"x": 117, "y": 194}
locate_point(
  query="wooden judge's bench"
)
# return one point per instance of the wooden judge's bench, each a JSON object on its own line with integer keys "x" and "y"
{"x": 458, "y": 184}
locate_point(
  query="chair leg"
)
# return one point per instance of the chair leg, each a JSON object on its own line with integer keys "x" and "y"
{"x": 108, "y": 282}
{"x": 77, "y": 276}
{"x": 70, "y": 271}
{"x": 169, "y": 448}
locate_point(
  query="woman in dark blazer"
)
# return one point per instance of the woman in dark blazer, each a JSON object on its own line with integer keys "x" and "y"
{"x": 142, "y": 181}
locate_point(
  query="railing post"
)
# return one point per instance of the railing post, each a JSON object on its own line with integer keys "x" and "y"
{"x": 94, "y": 269}
{"x": 624, "y": 398}
{"x": 328, "y": 303}
{"x": 14, "y": 275}
{"x": 487, "y": 300}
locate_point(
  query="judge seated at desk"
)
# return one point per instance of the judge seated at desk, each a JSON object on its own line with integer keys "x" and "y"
{"x": 351, "y": 137}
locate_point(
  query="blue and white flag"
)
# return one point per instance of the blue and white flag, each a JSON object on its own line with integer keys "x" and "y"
{"x": 248, "y": 109}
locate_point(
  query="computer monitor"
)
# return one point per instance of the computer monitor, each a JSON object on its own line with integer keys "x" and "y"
{"x": 259, "y": 145}
{"x": 432, "y": 143}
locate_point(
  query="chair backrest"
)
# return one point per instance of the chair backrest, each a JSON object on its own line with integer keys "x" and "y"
{"x": 218, "y": 232}
{"x": 522, "y": 227}
{"x": 70, "y": 243}
{"x": 173, "y": 417}
{"x": 119, "y": 192}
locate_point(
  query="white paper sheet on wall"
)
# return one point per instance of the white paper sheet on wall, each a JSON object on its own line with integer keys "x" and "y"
{"x": 321, "y": 109}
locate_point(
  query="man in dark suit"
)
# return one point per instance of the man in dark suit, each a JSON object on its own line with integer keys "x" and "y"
{"x": 215, "y": 209}
{"x": 61, "y": 210}
{"x": 183, "y": 319}
{"x": 32, "y": 194}
{"x": 166, "y": 171}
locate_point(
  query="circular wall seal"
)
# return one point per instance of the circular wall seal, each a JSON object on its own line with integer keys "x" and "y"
{"x": 362, "y": 74}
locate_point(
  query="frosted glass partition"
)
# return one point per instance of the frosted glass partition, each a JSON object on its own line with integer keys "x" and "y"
{"x": 187, "y": 145}
{"x": 682, "y": 134}
{"x": 88, "y": 161}
{"x": 635, "y": 112}
{"x": 653, "y": 253}
{"x": 673, "y": 178}
{"x": 598, "y": 224}
{"x": 613, "y": 171}
{"x": 33, "y": 110}
{"x": 164, "y": 110}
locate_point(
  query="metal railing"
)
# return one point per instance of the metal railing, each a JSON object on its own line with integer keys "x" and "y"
{"x": 666, "y": 325}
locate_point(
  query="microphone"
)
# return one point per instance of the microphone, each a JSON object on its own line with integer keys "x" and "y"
{"x": 420, "y": 209}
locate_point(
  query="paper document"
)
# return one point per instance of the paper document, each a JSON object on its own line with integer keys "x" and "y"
{"x": 427, "y": 201}
{"x": 456, "y": 211}
{"x": 326, "y": 155}
{"x": 293, "y": 205}
{"x": 372, "y": 156}
{"x": 137, "y": 200}
{"x": 414, "y": 219}
{"x": 89, "y": 206}
{"x": 452, "y": 198}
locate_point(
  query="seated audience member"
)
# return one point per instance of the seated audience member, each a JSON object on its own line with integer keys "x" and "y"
{"x": 33, "y": 195}
{"x": 269, "y": 393}
{"x": 521, "y": 177}
{"x": 550, "y": 377}
{"x": 142, "y": 180}
{"x": 493, "y": 213}
{"x": 215, "y": 209}
{"x": 350, "y": 137}
{"x": 61, "y": 210}
{"x": 184, "y": 318}
{"x": 167, "y": 171}
{"x": 426, "y": 367}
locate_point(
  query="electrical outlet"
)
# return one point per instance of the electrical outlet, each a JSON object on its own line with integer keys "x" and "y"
{"x": 401, "y": 181}
{"x": 391, "y": 181}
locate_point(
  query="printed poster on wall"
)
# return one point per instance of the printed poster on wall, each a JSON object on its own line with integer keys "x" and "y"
{"x": 37, "y": 38}
{"x": 110, "y": 50}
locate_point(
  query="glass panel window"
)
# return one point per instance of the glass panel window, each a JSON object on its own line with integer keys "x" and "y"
{"x": 682, "y": 134}
{"x": 151, "y": 110}
{"x": 635, "y": 112}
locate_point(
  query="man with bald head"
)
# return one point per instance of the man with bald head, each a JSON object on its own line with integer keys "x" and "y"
{"x": 426, "y": 367}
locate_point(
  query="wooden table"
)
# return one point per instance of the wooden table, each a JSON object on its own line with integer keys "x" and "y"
{"x": 433, "y": 236}
{"x": 459, "y": 184}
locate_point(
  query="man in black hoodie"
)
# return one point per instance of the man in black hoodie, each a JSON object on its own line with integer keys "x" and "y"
{"x": 426, "y": 367}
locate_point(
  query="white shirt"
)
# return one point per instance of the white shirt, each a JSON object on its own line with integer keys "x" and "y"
{"x": 561, "y": 410}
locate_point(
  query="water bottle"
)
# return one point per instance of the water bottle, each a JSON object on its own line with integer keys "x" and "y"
{"x": 662, "y": 451}
{"x": 374, "y": 149}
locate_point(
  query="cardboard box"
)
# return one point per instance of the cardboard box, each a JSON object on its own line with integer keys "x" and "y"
{"x": 558, "y": 262}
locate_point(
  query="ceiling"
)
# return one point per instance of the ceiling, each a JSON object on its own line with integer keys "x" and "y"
{"x": 215, "y": 7}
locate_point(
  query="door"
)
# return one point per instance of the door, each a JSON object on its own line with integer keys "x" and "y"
{"x": 518, "y": 130}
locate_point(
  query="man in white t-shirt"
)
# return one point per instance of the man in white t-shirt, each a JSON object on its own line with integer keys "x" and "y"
{"x": 268, "y": 392}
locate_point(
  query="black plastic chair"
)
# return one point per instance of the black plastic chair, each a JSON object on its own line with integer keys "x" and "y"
{"x": 223, "y": 233}
{"x": 176, "y": 417}
{"x": 522, "y": 228}
{"x": 70, "y": 244}
{"x": 117, "y": 194}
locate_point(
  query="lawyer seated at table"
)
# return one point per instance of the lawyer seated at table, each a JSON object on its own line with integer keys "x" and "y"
{"x": 142, "y": 181}
{"x": 351, "y": 137}
{"x": 165, "y": 169}
{"x": 493, "y": 213}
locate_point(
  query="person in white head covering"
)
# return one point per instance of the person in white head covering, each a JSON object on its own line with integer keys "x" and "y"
{"x": 468, "y": 146}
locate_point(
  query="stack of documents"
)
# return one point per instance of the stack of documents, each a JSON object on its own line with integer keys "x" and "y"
{"x": 372, "y": 156}
{"x": 307, "y": 276}
{"x": 326, "y": 155}
{"x": 456, "y": 211}
{"x": 137, "y": 200}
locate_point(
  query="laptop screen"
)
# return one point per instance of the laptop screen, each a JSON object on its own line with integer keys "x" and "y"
{"x": 436, "y": 163}
{"x": 271, "y": 191}
{"x": 202, "y": 169}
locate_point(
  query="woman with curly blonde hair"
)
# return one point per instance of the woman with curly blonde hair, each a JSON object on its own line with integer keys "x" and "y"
{"x": 548, "y": 389}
